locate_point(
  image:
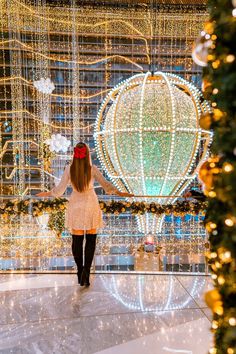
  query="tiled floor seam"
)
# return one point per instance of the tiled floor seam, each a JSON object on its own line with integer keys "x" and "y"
{"x": 104, "y": 314}
{"x": 199, "y": 307}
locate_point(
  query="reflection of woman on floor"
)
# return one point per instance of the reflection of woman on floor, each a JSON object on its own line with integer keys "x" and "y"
{"x": 83, "y": 215}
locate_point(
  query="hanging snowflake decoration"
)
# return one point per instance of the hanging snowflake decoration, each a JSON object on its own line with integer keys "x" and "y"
{"x": 58, "y": 143}
{"x": 44, "y": 85}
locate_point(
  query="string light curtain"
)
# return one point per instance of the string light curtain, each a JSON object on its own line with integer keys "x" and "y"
{"x": 84, "y": 49}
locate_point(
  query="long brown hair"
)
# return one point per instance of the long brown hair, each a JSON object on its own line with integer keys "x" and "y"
{"x": 80, "y": 170}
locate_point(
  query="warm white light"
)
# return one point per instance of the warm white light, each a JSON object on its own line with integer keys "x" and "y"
{"x": 214, "y": 324}
{"x": 229, "y": 222}
{"x": 227, "y": 167}
{"x": 232, "y": 321}
{"x": 213, "y": 351}
{"x": 230, "y": 351}
{"x": 230, "y": 58}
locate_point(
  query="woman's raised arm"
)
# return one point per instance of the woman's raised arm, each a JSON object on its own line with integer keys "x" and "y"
{"x": 58, "y": 190}
{"x": 108, "y": 187}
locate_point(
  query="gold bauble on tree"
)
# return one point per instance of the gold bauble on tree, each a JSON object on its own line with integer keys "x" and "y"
{"x": 206, "y": 121}
{"x": 209, "y": 27}
{"x": 205, "y": 176}
{"x": 217, "y": 114}
{"x": 213, "y": 300}
{"x": 206, "y": 86}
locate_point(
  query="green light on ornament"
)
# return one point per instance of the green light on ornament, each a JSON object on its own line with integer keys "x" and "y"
{"x": 148, "y": 136}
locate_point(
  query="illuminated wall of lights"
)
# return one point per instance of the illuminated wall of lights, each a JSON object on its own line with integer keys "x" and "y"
{"x": 57, "y": 65}
{"x": 84, "y": 52}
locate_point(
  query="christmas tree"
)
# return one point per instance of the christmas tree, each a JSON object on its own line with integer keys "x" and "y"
{"x": 219, "y": 85}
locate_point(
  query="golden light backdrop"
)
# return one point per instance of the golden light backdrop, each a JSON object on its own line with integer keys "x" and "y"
{"x": 85, "y": 51}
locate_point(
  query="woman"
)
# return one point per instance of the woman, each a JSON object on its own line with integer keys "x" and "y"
{"x": 83, "y": 215}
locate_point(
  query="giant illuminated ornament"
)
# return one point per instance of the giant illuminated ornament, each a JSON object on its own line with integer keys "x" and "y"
{"x": 148, "y": 138}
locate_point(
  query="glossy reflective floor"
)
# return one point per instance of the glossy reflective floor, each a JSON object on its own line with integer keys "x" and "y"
{"x": 118, "y": 314}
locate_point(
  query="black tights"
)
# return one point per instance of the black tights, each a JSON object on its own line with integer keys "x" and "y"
{"x": 77, "y": 251}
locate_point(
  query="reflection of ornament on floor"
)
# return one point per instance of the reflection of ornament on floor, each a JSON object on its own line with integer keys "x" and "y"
{"x": 45, "y": 86}
{"x": 136, "y": 297}
{"x": 58, "y": 143}
{"x": 148, "y": 138}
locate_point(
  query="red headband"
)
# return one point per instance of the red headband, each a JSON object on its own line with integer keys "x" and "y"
{"x": 80, "y": 152}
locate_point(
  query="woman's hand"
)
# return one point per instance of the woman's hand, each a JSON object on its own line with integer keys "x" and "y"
{"x": 43, "y": 194}
{"x": 125, "y": 195}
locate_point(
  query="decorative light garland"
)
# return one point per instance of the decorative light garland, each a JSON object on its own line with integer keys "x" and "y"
{"x": 36, "y": 207}
{"x": 57, "y": 207}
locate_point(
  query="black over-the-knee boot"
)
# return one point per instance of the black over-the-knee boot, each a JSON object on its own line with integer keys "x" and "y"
{"x": 89, "y": 253}
{"x": 77, "y": 251}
